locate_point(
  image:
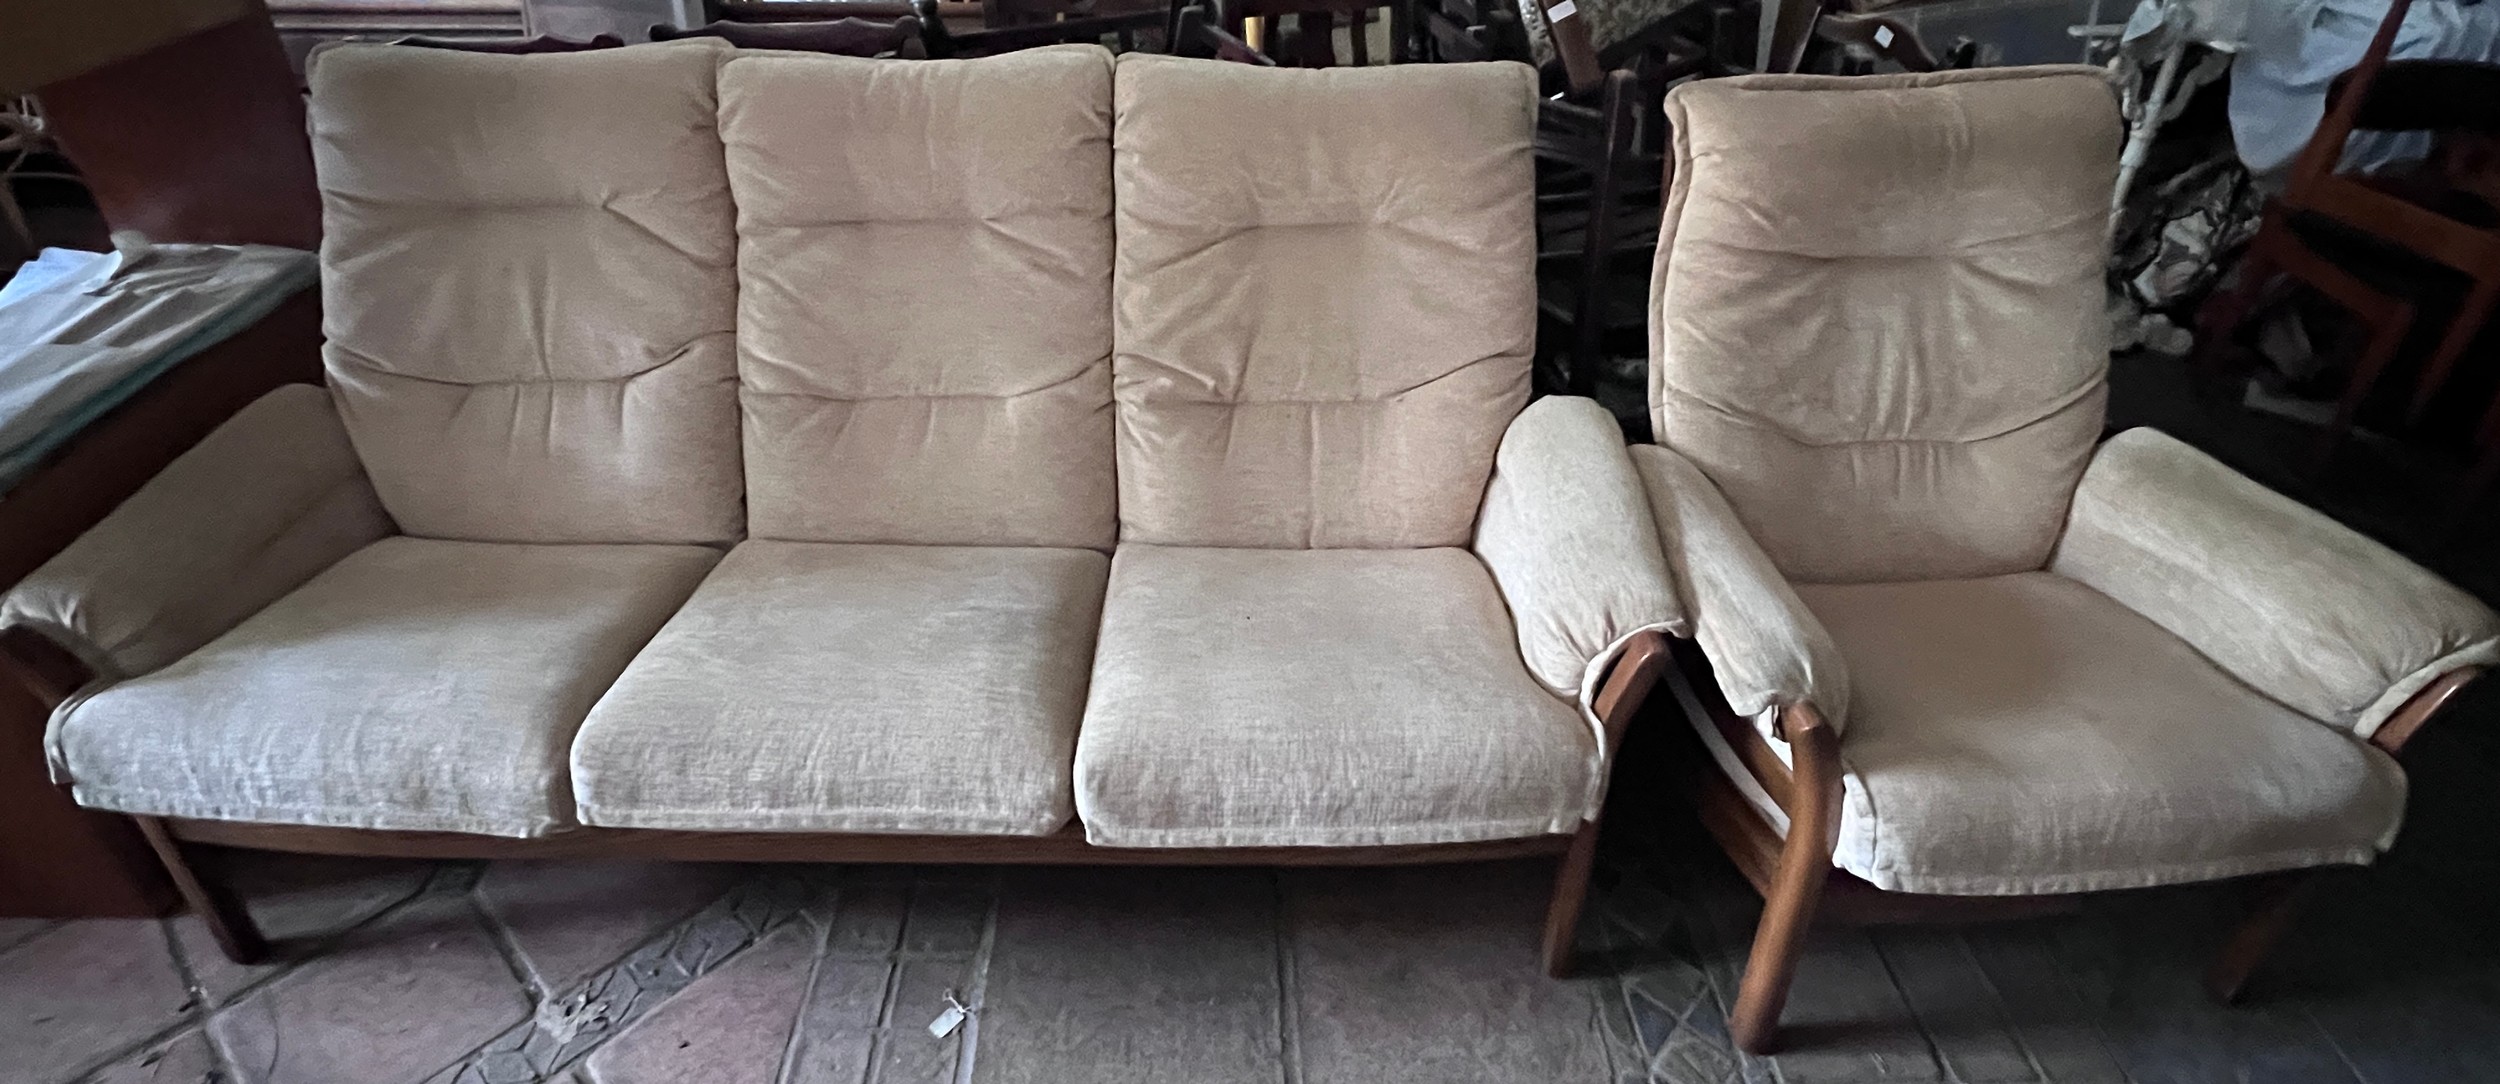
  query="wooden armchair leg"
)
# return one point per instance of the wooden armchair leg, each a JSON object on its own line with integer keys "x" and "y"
{"x": 1796, "y": 886}
{"x": 1787, "y": 913}
{"x": 2273, "y": 907}
{"x": 216, "y": 904}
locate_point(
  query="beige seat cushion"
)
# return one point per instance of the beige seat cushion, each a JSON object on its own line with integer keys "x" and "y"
{"x": 854, "y": 688}
{"x": 1319, "y": 698}
{"x": 2026, "y": 734}
{"x": 417, "y": 684}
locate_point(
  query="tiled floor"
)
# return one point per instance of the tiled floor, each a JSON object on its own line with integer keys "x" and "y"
{"x": 625, "y": 974}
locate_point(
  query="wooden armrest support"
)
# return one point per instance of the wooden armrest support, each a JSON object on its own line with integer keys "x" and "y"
{"x": 2417, "y": 713}
{"x": 36, "y": 663}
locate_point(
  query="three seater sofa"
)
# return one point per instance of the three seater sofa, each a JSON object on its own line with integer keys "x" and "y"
{"x": 748, "y": 455}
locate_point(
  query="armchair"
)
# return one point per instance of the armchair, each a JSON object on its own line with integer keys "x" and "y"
{"x": 1948, "y": 655}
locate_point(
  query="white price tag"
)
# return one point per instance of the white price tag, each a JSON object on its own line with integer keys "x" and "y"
{"x": 950, "y": 1018}
{"x": 1562, "y": 11}
{"x": 1883, "y": 37}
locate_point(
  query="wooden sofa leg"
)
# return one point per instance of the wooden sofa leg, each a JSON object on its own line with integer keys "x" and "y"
{"x": 237, "y": 935}
{"x": 1619, "y": 698}
{"x": 1796, "y": 889}
{"x": 2273, "y": 907}
{"x": 1571, "y": 895}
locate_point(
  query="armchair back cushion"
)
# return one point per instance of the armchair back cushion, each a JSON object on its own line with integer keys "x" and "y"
{"x": 924, "y": 267}
{"x": 1325, "y": 299}
{"x": 527, "y": 270}
{"x": 1877, "y": 312}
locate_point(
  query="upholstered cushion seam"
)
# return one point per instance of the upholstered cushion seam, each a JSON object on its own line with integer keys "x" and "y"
{"x": 1962, "y": 251}
{"x": 1163, "y": 396}
{"x": 342, "y": 355}
{"x": 752, "y": 225}
{"x": 1090, "y": 369}
{"x": 1687, "y": 397}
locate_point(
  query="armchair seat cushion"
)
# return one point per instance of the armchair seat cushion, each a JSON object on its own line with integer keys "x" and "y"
{"x": 1313, "y": 698}
{"x": 854, "y": 688}
{"x": 2026, "y": 734}
{"x": 417, "y": 684}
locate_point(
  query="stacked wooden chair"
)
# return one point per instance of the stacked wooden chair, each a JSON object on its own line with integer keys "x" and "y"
{"x": 2360, "y": 242}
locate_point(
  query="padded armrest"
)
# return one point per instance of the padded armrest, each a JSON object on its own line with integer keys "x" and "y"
{"x": 2298, "y": 606}
{"x": 271, "y": 497}
{"x": 1768, "y": 650}
{"x": 1568, "y": 539}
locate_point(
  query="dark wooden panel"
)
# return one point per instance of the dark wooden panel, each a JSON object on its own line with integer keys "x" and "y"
{"x": 200, "y": 139}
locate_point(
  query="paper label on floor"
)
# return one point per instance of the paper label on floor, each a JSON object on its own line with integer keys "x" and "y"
{"x": 948, "y": 1020}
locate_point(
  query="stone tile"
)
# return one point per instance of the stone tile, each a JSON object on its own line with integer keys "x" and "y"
{"x": 397, "y": 1000}
{"x": 908, "y": 1054}
{"x": 1111, "y": 976}
{"x": 2137, "y": 957}
{"x": 2406, "y": 991}
{"x": 2041, "y": 1004}
{"x": 731, "y": 1026}
{"x": 184, "y": 1059}
{"x": 567, "y": 1028}
{"x": 868, "y": 918}
{"x": 1432, "y": 974}
{"x": 16, "y": 931}
{"x": 81, "y": 993}
{"x": 1679, "y": 1022}
{"x": 947, "y": 918}
{"x": 1846, "y": 1021}
{"x": 837, "y": 1031}
{"x": 300, "y": 902}
{"x": 1955, "y": 1005}
{"x": 569, "y": 919}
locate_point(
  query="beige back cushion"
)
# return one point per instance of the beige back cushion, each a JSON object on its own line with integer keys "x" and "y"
{"x": 528, "y": 277}
{"x": 1876, "y": 318}
{"x": 1325, "y": 298}
{"x": 924, "y": 263}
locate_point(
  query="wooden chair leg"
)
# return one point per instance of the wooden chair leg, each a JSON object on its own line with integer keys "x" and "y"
{"x": 2224, "y": 312}
{"x": 2388, "y": 328}
{"x": 2461, "y": 333}
{"x": 2486, "y": 469}
{"x": 1796, "y": 886}
{"x": 2273, "y": 908}
{"x": 237, "y": 935}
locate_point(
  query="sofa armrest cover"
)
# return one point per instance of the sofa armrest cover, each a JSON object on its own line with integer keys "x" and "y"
{"x": 1567, "y": 536}
{"x": 2300, "y": 607}
{"x": 265, "y": 501}
{"x": 1767, "y": 649}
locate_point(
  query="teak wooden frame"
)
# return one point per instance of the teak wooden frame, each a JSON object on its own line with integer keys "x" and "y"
{"x": 1799, "y": 885}
{"x": 52, "y": 673}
